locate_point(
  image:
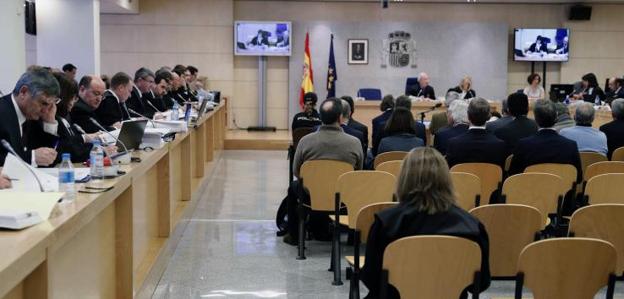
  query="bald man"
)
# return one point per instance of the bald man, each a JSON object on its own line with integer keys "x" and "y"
{"x": 91, "y": 89}
{"x": 422, "y": 89}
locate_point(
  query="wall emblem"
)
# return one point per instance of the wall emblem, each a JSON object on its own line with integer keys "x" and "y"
{"x": 399, "y": 50}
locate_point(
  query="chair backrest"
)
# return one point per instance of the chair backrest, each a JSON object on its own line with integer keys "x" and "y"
{"x": 409, "y": 83}
{"x": 510, "y": 228}
{"x": 366, "y": 216}
{"x": 393, "y": 167}
{"x": 369, "y": 93}
{"x": 431, "y": 266}
{"x": 567, "y": 267}
{"x": 567, "y": 172}
{"x": 605, "y": 188}
{"x": 604, "y": 222}
{"x": 603, "y": 168}
{"x": 491, "y": 176}
{"x": 538, "y": 190}
{"x": 299, "y": 133}
{"x": 360, "y": 188}
{"x": 508, "y": 163}
{"x": 320, "y": 178}
{"x": 618, "y": 154}
{"x": 388, "y": 156}
{"x": 589, "y": 158}
{"x": 467, "y": 188}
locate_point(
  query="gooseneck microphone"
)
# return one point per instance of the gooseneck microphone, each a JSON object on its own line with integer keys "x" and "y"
{"x": 123, "y": 157}
{"x": 10, "y": 149}
{"x": 433, "y": 108}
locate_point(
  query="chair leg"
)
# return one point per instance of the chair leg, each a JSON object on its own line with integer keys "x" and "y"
{"x": 301, "y": 243}
{"x": 336, "y": 247}
{"x": 519, "y": 283}
{"x": 611, "y": 286}
{"x": 383, "y": 290}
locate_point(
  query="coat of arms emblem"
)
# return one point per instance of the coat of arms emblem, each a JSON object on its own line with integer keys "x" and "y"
{"x": 399, "y": 50}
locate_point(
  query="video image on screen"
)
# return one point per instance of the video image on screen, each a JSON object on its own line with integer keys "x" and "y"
{"x": 541, "y": 44}
{"x": 262, "y": 38}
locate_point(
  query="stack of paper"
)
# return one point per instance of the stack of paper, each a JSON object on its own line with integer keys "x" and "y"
{"x": 23, "y": 179}
{"x": 175, "y": 126}
{"x": 153, "y": 137}
{"x": 80, "y": 173}
{"x": 23, "y": 209}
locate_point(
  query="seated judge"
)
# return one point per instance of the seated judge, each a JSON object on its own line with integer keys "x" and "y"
{"x": 143, "y": 81}
{"x": 615, "y": 129}
{"x": 505, "y": 118}
{"x": 422, "y": 89}
{"x": 427, "y": 206}
{"x": 419, "y": 128}
{"x": 401, "y": 135}
{"x": 32, "y": 99}
{"x": 591, "y": 91}
{"x": 113, "y": 110}
{"x": 616, "y": 89}
{"x": 90, "y": 91}
{"x": 156, "y": 97}
{"x": 534, "y": 91}
{"x": 477, "y": 145}
{"x": 457, "y": 115}
{"x": 464, "y": 89}
{"x": 354, "y": 123}
{"x": 521, "y": 126}
{"x": 587, "y": 138}
{"x": 545, "y": 146}
{"x": 309, "y": 117}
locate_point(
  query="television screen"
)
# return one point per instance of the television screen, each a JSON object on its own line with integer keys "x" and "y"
{"x": 262, "y": 38}
{"x": 541, "y": 44}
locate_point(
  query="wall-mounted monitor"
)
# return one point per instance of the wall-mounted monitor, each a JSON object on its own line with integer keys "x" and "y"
{"x": 262, "y": 38}
{"x": 541, "y": 44}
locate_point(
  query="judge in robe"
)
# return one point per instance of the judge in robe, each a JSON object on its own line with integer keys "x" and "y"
{"x": 422, "y": 89}
{"x": 90, "y": 91}
{"x": 143, "y": 81}
{"x": 113, "y": 110}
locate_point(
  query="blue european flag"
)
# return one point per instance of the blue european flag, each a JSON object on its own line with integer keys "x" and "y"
{"x": 332, "y": 75}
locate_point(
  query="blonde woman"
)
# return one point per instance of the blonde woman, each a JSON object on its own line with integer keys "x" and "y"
{"x": 464, "y": 89}
{"x": 426, "y": 207}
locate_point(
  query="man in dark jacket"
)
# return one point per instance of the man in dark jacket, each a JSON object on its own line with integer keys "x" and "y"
{"x": 615, "y": 129}
{"x": 521, "y": 126}
{"x": 309, "y": 117}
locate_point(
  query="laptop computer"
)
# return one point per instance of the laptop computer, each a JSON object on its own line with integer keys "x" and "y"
{"x": 131, "y": 134}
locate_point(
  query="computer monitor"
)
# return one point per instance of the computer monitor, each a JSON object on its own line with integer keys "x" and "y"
{"x": 558, "y": 92}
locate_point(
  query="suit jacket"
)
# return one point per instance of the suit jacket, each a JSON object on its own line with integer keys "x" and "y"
{"x": 111, "y": 110}
{"x": 476, "y": 146}
{"x": 517, "y": 129}
{"x": 360, "y": 127}
{"x": 493, "y": 126}
{"x": 614, "y": 94}
{"x": 469, "y": 95}
{"x": 443, "y": 136}
{"x": 137, "y": 103}
{"x": 615, "y": 134}
{"x": 170, "y": 98}
{"x": 67, "y": 140}
{"x": 400, "y": 142}
{"x": 417, "y": 91}
{"x": 154, "y": 104}
{"x": 10, "y": 131}
{"x": 80, "y": 115}
{"x": 546, "y": 146}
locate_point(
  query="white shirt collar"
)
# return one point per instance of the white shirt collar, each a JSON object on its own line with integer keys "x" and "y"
{"x": 476, "y": 127}
{"x": 138, "y": 91}
{"x": 115, "y": 95}
{"x": 20, "y": 116}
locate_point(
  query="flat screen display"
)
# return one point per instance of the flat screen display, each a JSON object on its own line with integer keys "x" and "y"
{"x": 541, "y": 44}
{"x": 262, "y": 38}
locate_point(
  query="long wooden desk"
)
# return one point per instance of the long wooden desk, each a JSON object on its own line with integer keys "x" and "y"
{"x": 104, "y": 245}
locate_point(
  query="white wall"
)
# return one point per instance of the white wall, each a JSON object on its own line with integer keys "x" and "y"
{"x": 12, "y": 35}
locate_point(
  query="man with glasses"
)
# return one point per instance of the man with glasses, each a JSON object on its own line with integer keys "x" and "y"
{"x": 33, "y": 98}
{"x": 91, "y": 89}
{"x": 143, "y": 82}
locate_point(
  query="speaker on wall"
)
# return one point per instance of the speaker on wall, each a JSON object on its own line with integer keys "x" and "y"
{"x": 30, "y": 18}
{"x": 580, "y": 13}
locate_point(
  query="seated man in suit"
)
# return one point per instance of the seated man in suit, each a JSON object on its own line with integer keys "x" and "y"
{"x": 587, "y": 138}
{"x": 354, "y": 123}
{"x": 143, "y": 81}
{"x": 309, "y": 117}
{"x": 184, "y": 90}
{"x": 90, "y": 91}
{"x": 477, "y": 145}
{"x": 615, "y": 129}
{"x": 113, "y": 110}
{"x": 386, "y": 106}
{"x": 563, "y": 117}
{"x": 615, "y": 90}
{"x": 521, "y": 126}
{"x": 419, "y": 128}
{"x": 493, "y": 126}
{"x": 457, "y": 115}
{"x": 545, "y": 146}
{"x": 344, "y": 124}
{"x": 173, "y": 96}
{"x": 329, "y": 143}
{"x": 155, "y": 97}
{"x": 422, "y": 89}
{"x": 32, "y": 98}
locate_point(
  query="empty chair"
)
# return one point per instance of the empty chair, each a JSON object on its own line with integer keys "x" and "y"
{"x": 589, "y": 158}
{"x": 491, "y": 176}
{"x": 388, "y": 156}
{"x": 431, "y": 266}
{"x": 567, "y": 172}
{"x": 542, "y": 191}
{"x": 618, "y": 154}
{"x": 319, "y": 178}
{"x": 603, "y": 168}
{"x": 369, "y": 93}
{"x": 604, "y": 222}
{"x": 566, "y": 268}
{"x": 393, "y": 167}
{"x": 467, "y": 189}
{"x": 605, "y": 188}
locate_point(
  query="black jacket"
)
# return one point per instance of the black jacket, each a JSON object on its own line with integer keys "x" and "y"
{"x": 443, "y": 135}
{"x": 476, "y": 146}
{"x": 615, "y": 134}
{"x": 138, "y": 104}
{"x": 517, "y": 129}
{"x": 379, "y": 132}
{"x": 469, "y": 95}
{"x": 153, "y": 103}
{"x": 360, "y": 127}
{"x": 590, "y": 95}
{"x": 10, "y": 131}
{"x": 305, "y": 120}
{"x": 111, "y": 110}
{"x": 404, "y": 221}
{"x": 80, "y": 115}
{"x": 68, "y": 140}
{"x": 417, "y": 91}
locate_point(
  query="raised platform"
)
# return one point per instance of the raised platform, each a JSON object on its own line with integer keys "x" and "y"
{"x": 244, "y": 140}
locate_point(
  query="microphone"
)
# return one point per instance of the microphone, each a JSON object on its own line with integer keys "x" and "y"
{"x": 143, "y": 116}
{"x": 10, "y": 149}
{"x": 152, "y": 105}
{"x": 120, "y": 158}
{"x": 433, "y": 108}
{"x": 79, "y": 129}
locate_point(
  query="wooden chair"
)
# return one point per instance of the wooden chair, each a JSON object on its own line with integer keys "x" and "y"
{"x": 491, "y": 176}
{"x": 605, "y": 188}
{"x": 589, "y": 158}
{"x": 357, "y": 189}
{"x": 467, "y": 189}
{"x": 319, "y": 178}
{"x": 566, "y": 268}
{"x": 618, "y": 154}
{"x": 393, "y": 167}
{"x": 603, "y": 168}
{"x": 388, "y": 156}
{"x": 566, "y": 172}
{"x": 508, "y": 163}
{"x": 510, "y": 228}
{"x": 431, "y": 267}
{"x": 542, "y": 191}
{"x": 363, "y": 222}
{"x": 604, "y": 222}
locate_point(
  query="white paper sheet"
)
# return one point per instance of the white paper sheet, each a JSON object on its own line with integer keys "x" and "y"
{"x": 23, "y": 180}
{"x": 80, "y": 173}
{"x": 17, "y": 201}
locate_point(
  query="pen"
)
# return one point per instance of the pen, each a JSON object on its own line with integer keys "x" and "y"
{"x": 56, "y": 144}
{"x": 12, "y": 179}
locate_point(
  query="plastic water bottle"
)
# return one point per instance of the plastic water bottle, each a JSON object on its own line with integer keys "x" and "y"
{"x": 175, "y": 111}
{"x": 66, "y": 178}
{"x": 96, "y": 159}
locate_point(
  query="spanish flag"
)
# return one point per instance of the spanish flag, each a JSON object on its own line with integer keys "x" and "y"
{"x": 307, "y": 81}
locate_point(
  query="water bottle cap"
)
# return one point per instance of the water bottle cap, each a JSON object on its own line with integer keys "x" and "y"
{"x": 96, "y": 141}
{"x": 66, "y": 156}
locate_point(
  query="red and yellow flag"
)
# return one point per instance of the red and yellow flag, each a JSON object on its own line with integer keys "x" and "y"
{"x": 307, "y": 81}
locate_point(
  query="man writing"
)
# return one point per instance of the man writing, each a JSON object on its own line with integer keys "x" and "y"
{"x": 91, "y": 89}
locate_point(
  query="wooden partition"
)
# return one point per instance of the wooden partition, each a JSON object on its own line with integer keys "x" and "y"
{"x": 103, "y": 245}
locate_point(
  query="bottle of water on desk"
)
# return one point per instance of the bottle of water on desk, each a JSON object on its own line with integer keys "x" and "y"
{"x": 96, "y": 159}
{"x": 66, "y": 178}
{"x": 175, "y": 110}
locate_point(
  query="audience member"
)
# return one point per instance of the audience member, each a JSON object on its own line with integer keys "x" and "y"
{"x": 386, "y": 106}
{"x": 587, "y": 138}
{"x": 563, "y": 117}
{"x": 591, "y": 90}
{"x": 502, "y": 121}
{"x": 354, "y": 123}
{"x": 534, "y": 91}
{"x": 464, "y": 89}
{"x": 400, "y": 132}
{"x": 615, "y": 129}
{"x": 616, "y": 89}
{"x": 426, "y": 207}
{"x": 90, "y": 91}
{"x": 346, "y": 114}
{"x": 143, "y": 81}
{"x": 309, "y": 117}
{"x": 521, "y": 126}
{"x": 70, "y": 70}
{"x": 422, "y": 89}
{"x": 419, "y": 128}
{"x": 457, "y": 115}
{"x": 113, "y": 110}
